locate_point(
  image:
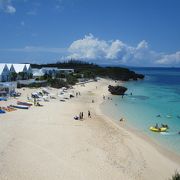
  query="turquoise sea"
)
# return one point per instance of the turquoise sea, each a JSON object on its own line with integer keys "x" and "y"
{"x": 157, "y": 94}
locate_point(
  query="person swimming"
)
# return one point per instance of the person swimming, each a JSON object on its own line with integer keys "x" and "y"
{"x": 165, "y": 126}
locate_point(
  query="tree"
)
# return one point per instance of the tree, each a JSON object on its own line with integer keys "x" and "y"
{"x": 13, "y": 76}
{"x": 30, "y": 76}
{"x": 23, "y": 75}
{"x": 176, "y": 176}
{"x": 71, "y": 79}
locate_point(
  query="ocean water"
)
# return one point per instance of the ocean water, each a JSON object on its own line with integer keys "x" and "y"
{"x": 157, "y": 94}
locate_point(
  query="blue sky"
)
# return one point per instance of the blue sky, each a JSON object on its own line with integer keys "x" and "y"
{"x": 130, "y": 32}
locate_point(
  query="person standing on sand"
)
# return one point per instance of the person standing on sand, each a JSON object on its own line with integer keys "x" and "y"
{"x": 89, "y": 114}
{"x": 82, "y": 115}
{"x": 34, "y": 101}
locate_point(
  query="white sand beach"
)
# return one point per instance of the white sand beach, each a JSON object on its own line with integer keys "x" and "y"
{"x": 46, "y": 143}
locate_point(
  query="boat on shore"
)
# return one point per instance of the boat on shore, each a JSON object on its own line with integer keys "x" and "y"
{"x": 3, "y": 99}
{"x": 8, "y": 109}
{"x": 2, "y": 111}
{"x": 24, "y": 103}
{"x": 19, "y": 106}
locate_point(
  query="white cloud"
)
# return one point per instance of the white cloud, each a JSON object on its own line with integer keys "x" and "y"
{"x": 10, "y": 9}
{"x": 170, "y": 59}
{"x": 88, "y": 48}
{"x": 91, "y": 48}
{"x": 7, "y": 7}
{"x": 94, "y": 49}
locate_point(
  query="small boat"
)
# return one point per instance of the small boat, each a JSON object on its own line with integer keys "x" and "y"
{"x": 2, "y": 111}
{"x": 3, "y": 99}
{"x": 161, "y": 129}
{"x": 24, "y": 103}
{"x": 11, "y": 108}
{"x": 19, "y": 106}
{"x": 7, "y": 109}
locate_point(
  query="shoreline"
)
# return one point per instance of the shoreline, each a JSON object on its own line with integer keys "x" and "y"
{"x": 162, "y": 149}
{"x": 47, "y": 143}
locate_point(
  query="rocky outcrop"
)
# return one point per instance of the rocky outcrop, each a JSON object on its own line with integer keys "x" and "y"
{"x": 117, "y": 90}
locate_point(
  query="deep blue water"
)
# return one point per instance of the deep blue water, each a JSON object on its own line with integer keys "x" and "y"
{"x": 157, "y": 94}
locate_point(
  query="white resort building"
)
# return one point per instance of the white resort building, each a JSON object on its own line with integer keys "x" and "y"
{"x": 50, "y": 71}
{"x": 6, "y": 71}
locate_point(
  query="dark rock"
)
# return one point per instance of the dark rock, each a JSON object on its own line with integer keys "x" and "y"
{"x": 117, "y": 90}
{"x": 140, "y": 76}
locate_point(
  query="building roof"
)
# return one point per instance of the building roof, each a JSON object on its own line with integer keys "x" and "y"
{"x": 66, "y": 69}
{"x": 37, "y": 72}
{"x": 19, "y": 67}
{"x": 49, "y": 68}
{"x": 27, "y": 66}
{"x": 9, "y": 66}
{"x": 1, "y": 67}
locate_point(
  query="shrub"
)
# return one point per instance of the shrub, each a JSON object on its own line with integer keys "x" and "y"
{"x": 32, "y": 85}
{"x": 57, "y": 83}
{"x": 176, "y": 176}
{"x": 71, "y": 80}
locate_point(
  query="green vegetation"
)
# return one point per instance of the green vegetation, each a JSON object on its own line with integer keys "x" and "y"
{"x": 91, "y": 71}
{"x": 57, "y": 83}
{"x": 176, "y": 176}
{"x": 82, "y": 70}
{"x": 71, "y": 80}
{"x": 32, "y": 85}
{"x": 22, "y": 75}
{"x": 13, "y": 76}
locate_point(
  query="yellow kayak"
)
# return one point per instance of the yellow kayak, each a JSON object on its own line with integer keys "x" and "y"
{"x": 162, "y": 129}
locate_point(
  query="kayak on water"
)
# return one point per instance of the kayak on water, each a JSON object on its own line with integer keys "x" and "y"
{"x": 161, "y": 129}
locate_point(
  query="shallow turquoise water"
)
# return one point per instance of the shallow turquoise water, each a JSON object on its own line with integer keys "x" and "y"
{"x": 158, "y": 94}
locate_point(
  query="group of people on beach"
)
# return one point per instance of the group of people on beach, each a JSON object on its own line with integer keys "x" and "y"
{"x": 104, "y": 98}
{"x": 81, "y": 116}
